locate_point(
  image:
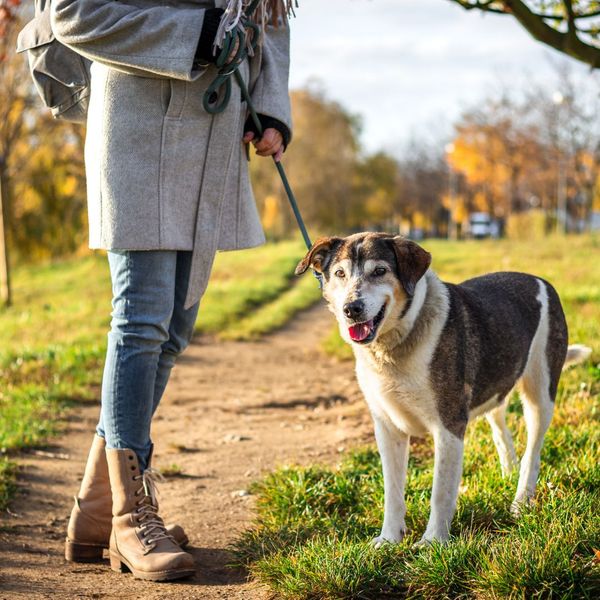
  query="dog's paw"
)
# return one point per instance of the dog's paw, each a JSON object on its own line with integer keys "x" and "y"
{"x": 429, "y": 539}
{"x": 381, "y": 540}
{"x": 515, "y": 509}
{"x": 520, "y": 503}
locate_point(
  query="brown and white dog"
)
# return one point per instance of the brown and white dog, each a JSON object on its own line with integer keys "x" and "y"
{"x": 431, "y": 356}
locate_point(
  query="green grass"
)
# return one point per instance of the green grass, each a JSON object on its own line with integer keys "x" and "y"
{"x": 53, "y": 338}
{"x": 7, "y": 478}
{"x": 310, "y": 537}
{"x": 253, "y": 292}
{"x": 273, "y": 315}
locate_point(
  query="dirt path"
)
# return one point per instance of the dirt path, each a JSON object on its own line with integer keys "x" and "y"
{"x": 232, "y": 411}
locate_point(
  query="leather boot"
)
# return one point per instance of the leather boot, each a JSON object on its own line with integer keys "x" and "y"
{"x": 88, "y": 531}
{"x": 139, "y": 541}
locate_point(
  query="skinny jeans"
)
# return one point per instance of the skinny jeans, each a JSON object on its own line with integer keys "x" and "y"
{"x": 149, "y": 330}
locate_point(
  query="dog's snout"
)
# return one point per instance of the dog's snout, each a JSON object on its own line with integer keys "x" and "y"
{"x": 354, "y": 309}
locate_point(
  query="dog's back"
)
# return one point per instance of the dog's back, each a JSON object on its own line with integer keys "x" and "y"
{"x": 487, "y": 343}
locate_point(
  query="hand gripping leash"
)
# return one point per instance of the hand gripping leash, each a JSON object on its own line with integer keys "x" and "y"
{"x": 217, "y": 96}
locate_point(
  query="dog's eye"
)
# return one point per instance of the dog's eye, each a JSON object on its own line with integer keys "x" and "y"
{"x": 379, "y": 271}
{"x": 340, "y": 273}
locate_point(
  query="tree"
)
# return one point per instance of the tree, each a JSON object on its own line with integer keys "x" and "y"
{"x": 49, "y": 203}
{"x": 320, "y": 165}
{"x": 569, "y": 133}
{"x": 11, "y": 122}
{"x": 569, "y": 26}
{"x": 41, "y": 165}
{"x": 423, "y": 181}
{"x": 495, "y": 151}
{"x": 536, "y": 148}
{"x": 377, "y": 193}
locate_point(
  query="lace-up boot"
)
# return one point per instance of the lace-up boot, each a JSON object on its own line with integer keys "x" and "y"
{"x": 139, "y": 541}
{"x": 88, "y": 531}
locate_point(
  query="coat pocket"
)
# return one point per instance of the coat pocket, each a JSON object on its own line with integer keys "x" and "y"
{"x": 61, "y": 76}
{"x": 182, "y": 164}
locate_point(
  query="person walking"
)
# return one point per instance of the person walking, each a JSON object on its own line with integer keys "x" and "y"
{"x": 167, "y": 187}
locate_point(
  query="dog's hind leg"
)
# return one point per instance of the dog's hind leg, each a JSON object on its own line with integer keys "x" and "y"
{"x": 393, "y": 449}
{"x": 538, "y": 405}
{"x": 447, "y": 472}
{"x": 502, "y": 438}
{"x": 537, "y": 409}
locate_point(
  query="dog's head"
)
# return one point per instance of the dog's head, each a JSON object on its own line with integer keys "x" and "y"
{"x": 368, "y": 280}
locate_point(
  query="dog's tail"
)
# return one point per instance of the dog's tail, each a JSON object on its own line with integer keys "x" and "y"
{"x": 577, "y": 353}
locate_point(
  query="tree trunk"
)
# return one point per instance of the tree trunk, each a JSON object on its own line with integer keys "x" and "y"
{"x": 5, "y": 290}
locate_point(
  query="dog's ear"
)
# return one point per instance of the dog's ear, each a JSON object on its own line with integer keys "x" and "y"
{"x": 412, "y": 262}
{"x": 318, "y": 256}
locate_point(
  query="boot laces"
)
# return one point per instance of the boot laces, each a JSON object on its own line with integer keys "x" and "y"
{"x": 147, "y": 512}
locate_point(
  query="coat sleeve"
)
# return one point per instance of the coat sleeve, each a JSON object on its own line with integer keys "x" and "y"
{"x": 270, "y": 94}
{"x": 157, "y": 40}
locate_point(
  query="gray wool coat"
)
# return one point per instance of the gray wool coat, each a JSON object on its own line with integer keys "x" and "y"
{"x": 161, "y": 172}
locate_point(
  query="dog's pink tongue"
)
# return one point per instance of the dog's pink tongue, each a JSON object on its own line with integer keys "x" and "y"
{"x": 360, "y": 331}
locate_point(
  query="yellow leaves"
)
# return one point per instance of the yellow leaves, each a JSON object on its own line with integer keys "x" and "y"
{"x": 491, "y": 157}
{"x": 587, "y": 160}
{"x": 456, "y": 205}
{"x": 596, "y": 198}
{"x": 480, "y": 202}
{"x": 419, "y": 220}
{"x": 270, "y": 213}
{"x": 480, "y": 156}
{"x": 69, "y": 185}
{"x": 461, "y": 213}
{"x": 377, "y": 205}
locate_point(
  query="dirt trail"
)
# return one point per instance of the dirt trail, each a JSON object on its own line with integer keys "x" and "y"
{"x": 232, "y": 411}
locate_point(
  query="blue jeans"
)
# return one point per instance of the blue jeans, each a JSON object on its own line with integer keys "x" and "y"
{"x": 149, "y": 329}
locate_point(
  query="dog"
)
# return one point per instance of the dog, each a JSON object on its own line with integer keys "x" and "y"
{"x": 431, "y": 356}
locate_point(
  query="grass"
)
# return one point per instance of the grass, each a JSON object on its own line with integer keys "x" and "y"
{"x": 310, "y": 537}
{"x": 274, "y": 314}
{"x": 254, "y": 292}
{"x": 7, "y": 479}
{"x": 53, "y": 338}
{"x": 51, "y": 347}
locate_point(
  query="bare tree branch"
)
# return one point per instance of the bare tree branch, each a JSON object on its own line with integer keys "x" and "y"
{"x": 550, "y": 28}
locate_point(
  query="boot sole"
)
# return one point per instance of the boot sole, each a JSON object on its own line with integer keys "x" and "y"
{"x": 121, "y": 565}
{"x": 91, "y": 553}
{"x": 83, "y": 553}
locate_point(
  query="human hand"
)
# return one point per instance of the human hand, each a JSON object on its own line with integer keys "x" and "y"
{"x": 271, "y": 143}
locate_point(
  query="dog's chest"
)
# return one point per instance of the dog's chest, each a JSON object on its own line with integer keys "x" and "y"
{"x": 401, "y": 395}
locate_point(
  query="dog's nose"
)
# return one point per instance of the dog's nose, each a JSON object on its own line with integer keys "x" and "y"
{"x": 353, "y": 310}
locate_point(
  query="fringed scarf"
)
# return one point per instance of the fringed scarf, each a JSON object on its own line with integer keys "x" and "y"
{"x": 268, "y": 11}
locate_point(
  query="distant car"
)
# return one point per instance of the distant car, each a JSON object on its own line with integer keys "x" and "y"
{"x": 481, "y": 225}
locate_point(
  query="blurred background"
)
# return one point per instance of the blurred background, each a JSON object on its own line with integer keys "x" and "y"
{"x": 415, "y": 116}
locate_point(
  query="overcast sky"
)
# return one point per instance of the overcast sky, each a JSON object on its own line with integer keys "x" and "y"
{"x": 410, "y": 66}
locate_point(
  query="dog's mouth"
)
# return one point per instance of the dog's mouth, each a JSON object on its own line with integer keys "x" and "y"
{"x": 363, "y": 333}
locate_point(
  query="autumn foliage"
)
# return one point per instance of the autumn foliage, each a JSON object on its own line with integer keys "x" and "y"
{"x": 520, "y": 151}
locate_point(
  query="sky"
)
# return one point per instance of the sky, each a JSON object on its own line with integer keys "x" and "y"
{"x": 410, "y": 67}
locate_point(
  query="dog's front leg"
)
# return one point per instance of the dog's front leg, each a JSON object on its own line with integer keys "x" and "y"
{"x": 447, "y": 472}
{"x": 393, "y": 449}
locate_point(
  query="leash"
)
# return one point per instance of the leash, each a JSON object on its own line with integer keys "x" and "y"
{"x": 217, "y": 96}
